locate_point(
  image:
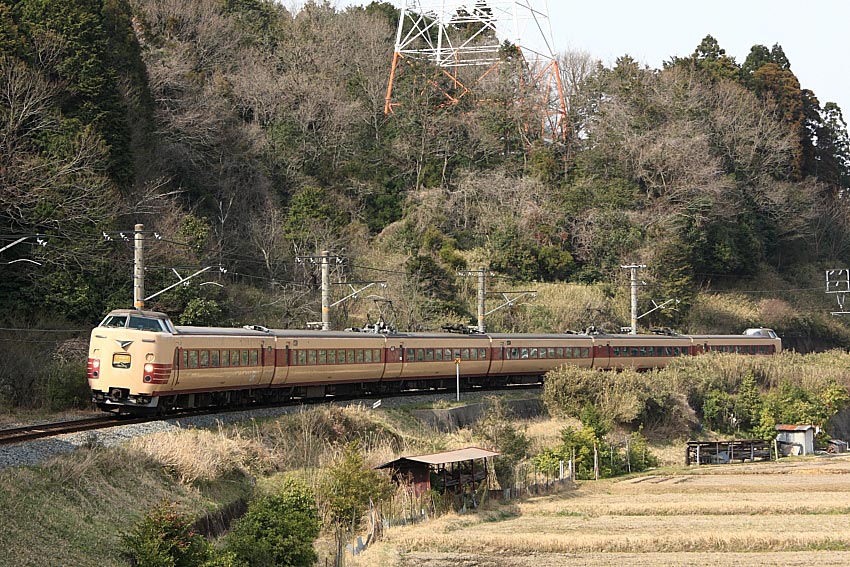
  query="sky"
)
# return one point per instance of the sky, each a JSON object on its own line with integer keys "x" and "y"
{"x": 815, "y": 35}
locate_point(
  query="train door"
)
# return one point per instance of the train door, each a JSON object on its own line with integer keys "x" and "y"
{"x": 393, "y": 360}
{"x": 175, "y": 366}
{"x": 497, "y": 356}
{"x": 601, "y": 355}
{"x": 283, "y": 354}
{"x": 269, "y": 364}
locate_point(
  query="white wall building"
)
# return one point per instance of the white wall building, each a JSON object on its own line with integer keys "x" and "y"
{"x": 796, "y": 439}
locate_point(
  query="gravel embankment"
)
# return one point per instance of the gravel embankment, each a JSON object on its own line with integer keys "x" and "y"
{"x": 34, "y": 452}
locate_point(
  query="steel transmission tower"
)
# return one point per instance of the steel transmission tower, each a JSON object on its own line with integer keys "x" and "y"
{"x": 459, "y": 45}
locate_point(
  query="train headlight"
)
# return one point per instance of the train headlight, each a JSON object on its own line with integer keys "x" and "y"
{"x": 95, "y": 363}
{"x": 148, "y": 368}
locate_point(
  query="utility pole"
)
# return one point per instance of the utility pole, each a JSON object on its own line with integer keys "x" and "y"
{"x": 139, "y": 268}
{"x": 634, "y": 287}
{"x": 481, "y": 273}
{"x": 482, "y": 281}
{"x": 324, "y": 260}
{"x": 326, "y": 292}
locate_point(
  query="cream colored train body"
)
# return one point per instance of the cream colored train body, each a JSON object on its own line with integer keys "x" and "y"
{"x": 140, "y": 362}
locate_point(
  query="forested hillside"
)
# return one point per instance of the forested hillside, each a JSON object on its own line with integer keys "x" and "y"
{"x": 244, "y": 135}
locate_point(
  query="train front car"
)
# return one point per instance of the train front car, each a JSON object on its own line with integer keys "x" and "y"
{"x": 131, "y": 356}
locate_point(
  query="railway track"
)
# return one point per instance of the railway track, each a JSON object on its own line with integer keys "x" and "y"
{"x": 32, "y": 432}
{"x": 43, "y": 430}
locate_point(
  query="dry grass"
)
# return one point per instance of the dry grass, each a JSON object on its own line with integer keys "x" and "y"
{"x": 792, "y": 512}
{"x": 199, "y": 455}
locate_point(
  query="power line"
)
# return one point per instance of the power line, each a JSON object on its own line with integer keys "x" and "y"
{"x": 14, "y": 329}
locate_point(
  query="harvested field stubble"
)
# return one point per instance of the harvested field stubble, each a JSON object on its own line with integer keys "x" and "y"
{"x": 795, "y": 513}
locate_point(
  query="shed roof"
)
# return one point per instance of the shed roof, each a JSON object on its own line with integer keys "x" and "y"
{"x": 455, "y": 456}
{"x": 787, "y": 427}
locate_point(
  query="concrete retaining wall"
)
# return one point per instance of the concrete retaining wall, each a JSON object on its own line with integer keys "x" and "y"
{"x": 450, "y": 419}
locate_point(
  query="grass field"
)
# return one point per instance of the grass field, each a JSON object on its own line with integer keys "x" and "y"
{"x": 795, "y": 512}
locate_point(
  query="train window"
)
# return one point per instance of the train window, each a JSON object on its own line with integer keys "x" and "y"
{"x": 185, "y": 359}
{"x": 255, "y": 357}
{"x": 301, "y": 357}
{"x": 585, "y": 352}
{"x": 193, "y": 359}
{"x": 473, "y": 354}
{"x": 114, "y": 321}
{"x": 340, "y": 356}
{"x": 244, "y": 361}
{"x": 559, "y": 352}
{"x": 523, "y": 353}
{"x": 144, "y": 324}
{"x": 331, "y": 357}
{"x": 311, "y": 357}
{"x": 457, "y": 353}
{"x": 464, "y": 354}
{"x": 215, "y": 359}
{"x": 532, "y": 353}
{"x": 349, "y": 356}
{"x": 234, "y": 358}
{"x": 367, "y": 355}
{"x": 482, "y": 354}
{"x": 358, "y": 355}
{"x": 551, "y": 352}
{"x": 429, "y": 355}
{"x": 204, "y": 357}
{"x": 376, "y": 355}
{"x": 420, "y": 355}
{"x": 542, "y": 352}
{"x": 411, "y": 354}
{"x": 322, "y": 355}
{"x": 438, "y": 354}
{"x": 615, "y": 351}
{"x": 447, "y": 354}
{"x": 513, "y": 353}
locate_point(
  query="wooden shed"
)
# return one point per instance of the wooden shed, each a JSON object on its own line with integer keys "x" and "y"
{"x": 796, "y": 439}
{"x": 449, "y": 471}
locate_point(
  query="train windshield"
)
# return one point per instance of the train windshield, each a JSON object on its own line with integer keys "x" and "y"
{"x": 144, "y": 324}
{"x": 137, "y": 322}
{"x": 114, "y": 321}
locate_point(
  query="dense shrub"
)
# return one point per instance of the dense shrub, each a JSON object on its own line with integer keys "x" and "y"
{"x": 590, "y": 448}
{"x": 627, "y": 397}
{"x": 499, "y": 432}
{"x": 734, "y": 394}
{"x": 164, "y": 538}
{"x": 277, "y": 530}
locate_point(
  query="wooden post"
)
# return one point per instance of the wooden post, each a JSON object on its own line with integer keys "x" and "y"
{"x": 595, "y": 461}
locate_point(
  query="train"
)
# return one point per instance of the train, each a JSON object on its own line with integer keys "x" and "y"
{"x": 140, "y": 362}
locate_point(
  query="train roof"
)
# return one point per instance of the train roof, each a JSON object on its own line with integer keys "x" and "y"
{"x": 259, "y": 331}
{"x": 139, "y": 312}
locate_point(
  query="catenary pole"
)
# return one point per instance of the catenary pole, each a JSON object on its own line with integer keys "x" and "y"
{"x": 326, "y": 292}
{"x": 139, "y": 268}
